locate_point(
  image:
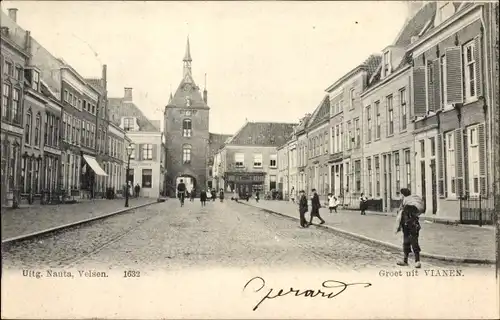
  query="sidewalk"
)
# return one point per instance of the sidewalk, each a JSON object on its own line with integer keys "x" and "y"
{"x": 29, "y": 219}
{"x": 441, "y": 241}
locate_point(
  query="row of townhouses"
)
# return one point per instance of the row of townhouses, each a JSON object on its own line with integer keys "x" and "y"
{"x": 58, "y": 136}
{"x": 419, "y": 116}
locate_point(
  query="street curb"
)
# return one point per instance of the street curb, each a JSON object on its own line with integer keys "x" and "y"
{"x": 71, "y": 224}
{"x": 385, "y": 244}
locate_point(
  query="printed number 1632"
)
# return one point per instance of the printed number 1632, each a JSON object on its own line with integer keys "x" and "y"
{"x": 131, "y": 274}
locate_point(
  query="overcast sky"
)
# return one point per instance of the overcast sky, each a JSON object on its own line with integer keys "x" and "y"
{"x": 265, "y": 61}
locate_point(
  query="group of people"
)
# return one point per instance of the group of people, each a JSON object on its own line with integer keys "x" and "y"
{"x": 204, "y": 195}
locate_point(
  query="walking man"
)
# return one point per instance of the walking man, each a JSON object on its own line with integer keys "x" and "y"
{"x": 292, "y": 195}
{"x": 137, "y": 189}
{"x": 303, "y": 209}
{"x": 181, "y": 192}
{"x": 315, "y": 205}
{"x": 221, "y": 195}
{"x": 192, "y": 194}
{"x": 411, "y": 207}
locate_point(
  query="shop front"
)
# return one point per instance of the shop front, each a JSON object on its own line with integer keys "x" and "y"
{"x": 245, "y": 183}
{"x": 90, "y": 169}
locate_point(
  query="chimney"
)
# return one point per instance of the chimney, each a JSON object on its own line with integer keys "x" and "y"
{"x": 13, "y": 14}
{"x": 105, "y": 76}
{"x": 205, "y": 96}
{"x": 27, "y": 43}
{"x": 128, "y": 95}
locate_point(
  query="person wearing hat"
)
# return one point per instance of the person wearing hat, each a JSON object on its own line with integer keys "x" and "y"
{"x": 411, "y": 207}
{"x": 315, "y": 205}
{"x": 303, "y": 209}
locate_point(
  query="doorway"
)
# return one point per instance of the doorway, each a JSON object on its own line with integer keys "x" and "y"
{"x": 433, "y": 187}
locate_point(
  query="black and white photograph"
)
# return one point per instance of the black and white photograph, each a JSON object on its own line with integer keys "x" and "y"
{"x": 250, "y": 159}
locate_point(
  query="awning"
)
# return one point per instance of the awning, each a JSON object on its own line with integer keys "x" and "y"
{"x": 94, "y": 165}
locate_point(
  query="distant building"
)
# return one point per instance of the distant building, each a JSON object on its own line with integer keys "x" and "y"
{"x": 145, "y": 134}
{"x": 186, "y": 132}
{"x": 248, "y": 161}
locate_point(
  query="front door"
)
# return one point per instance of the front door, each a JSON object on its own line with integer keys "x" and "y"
{"x": 422, "y": 179}
{"x": 385, "y": 183}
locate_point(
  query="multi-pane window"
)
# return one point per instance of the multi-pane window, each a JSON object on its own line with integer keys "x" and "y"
{"x": 370, "y": 174}
{"x": 27, "y": 130}
{"x": 352, "y": 98}
{"x": 377, "y": 120}
{"x": 473, "y": 154}
{"x": 347, "y": 176}
{"x": 450, "y": 164}
{"x": 46, "y": 129}
{"x": 37, "y": 130}
{"x": 257, "y": 160}
{"x": 386, "y": 63}
{"x": 390, "y": 116}
{"x": 35, "y": 81}
{"x": 186, "y": 153}
{"x": 325, "y": 142}
{"x": 7, "y": 67}
{"x": 422, "y": 148}
{"x": 239, "y": 159}
{"x": 18, "y": 73}
{"x": 377, "y": 176}
{"x": 128, "y": 124}
{"x": 16, "y": 106}
{"x": 338, "y": 145}
{"x": 186, "y": 128}
{"x": 397, "y": 167}
{"x": 470, "y": 70}
{"x": 272, "y": 160}
{"x": 444, "y": 79}
{"x": 83, "y": 133}
{"x": 147, "y": 151}
{"x": 368, "y": 124}
{"x": 408, "y": 169}
{"x": 357, "y": 130}
{"x": 349, "y": 135}
{"x": 404, "y": 108}
{"x": 5, "y": 99}
{"x": 357, "y": 173}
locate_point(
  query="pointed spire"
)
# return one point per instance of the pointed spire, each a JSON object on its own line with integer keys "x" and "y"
{"x": 187, "y": 56}
{"x": 171, "y": 97}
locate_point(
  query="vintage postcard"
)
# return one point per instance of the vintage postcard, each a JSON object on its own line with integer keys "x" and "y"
{"x": 250, "y": 160}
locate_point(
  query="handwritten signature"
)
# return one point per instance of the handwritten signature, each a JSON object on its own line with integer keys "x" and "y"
{"x": 337, "y": 286}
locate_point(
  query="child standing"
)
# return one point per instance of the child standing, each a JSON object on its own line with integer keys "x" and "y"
{"x": 332, "y": 203}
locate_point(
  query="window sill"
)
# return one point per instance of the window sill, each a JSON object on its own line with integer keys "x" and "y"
{"x": 403, "y": 131}
{"x": 452, "y": 199}
{"x": 257, "y": 167}
{"x": 377, "y": 139}
{"x": 273, "y": 167}
{"x": 390, "y": 135}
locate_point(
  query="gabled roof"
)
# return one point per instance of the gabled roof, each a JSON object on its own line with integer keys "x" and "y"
{"x": 370, "y": 65}
{"x": 321, "y": 113}
{"x": 271, "y": 134}
{"x": 117, "y": 108}
{"x": 96, "y": 83}
{"x": 188, "y": 88}
{"x": 414, "y": 26}
{"x": 216, "y": 141}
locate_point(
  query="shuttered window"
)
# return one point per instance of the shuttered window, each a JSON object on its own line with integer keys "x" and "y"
{"x": 390, "y": 115}
{"x": 450, "y": 164}
{"x": 473, "y": 160}
{"x": 377, "y": 120}
{"x": 479, "y": 68}
{"x": 377, "y": 176}
{"x": 370, "y": 175}
{"x": 368, "y": 124}
{"x": 419, "y": 92}
{"x": 436, "y": 86}
{"x": 459, "y": 162}
{"x": 403, "y": 109}
{"x": 483, "y": 183}
{"x": 443, "y": 82}
{"x": 441, "y": 165}
{"x": 454, "y": 88}
{"x": 408, "y": 168}
{"x": 470, "y": 77}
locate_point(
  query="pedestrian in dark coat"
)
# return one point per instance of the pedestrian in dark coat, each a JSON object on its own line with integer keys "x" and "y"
{"x": 203, "y": 198}
{"x": 411, "y": 228}
{"x": 315, "y": 205}
{"x": 257, "y": 196}
{"x": 363, "y": 204}
{"x": 303, "y": 208}
{"x": 221, "y": 195}
{"x": 214, "y": 195}
{"x": 192, "y": 194}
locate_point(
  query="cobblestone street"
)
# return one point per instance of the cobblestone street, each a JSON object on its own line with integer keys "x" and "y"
{"x": 165, "y": 236}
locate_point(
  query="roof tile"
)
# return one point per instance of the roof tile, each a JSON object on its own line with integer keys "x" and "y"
{"x": 118, "y": 108}
{"x": 270, "y": 134}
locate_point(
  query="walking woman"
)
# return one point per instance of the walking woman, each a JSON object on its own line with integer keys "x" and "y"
{"x": 411, "y": 207}
{"x": 363, "y": 204}
{"x": 203, "y": 198}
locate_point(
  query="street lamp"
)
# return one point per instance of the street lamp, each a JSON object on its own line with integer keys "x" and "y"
{"x": 130, "y": 149}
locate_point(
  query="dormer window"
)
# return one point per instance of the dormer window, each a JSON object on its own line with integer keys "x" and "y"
{"x": 445, "y": 10}
{"x": 35, "y": 80}
{"x": 128, "y": 124}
